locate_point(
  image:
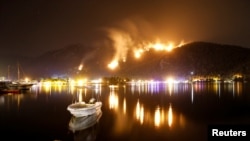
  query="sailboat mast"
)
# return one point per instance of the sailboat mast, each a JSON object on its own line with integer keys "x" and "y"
{"x": 8, "y": 72}
{"x": 18, "y": 72}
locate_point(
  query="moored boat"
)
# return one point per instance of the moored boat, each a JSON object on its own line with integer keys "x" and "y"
{"x": 20, "y": 86}
{"x": 81, "y": 109}
{"x": 5, "y": 88}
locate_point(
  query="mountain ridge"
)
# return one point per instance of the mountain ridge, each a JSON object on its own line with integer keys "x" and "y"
{"x": 198, "y": 58}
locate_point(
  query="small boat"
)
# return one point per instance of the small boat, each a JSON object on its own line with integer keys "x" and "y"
{"x": 81, "y": 123}
{"x": 81, "y": 109}
{"x": 5, "y": 89}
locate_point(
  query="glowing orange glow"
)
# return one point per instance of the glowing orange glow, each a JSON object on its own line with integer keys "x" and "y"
{"x": 123, "y": 43}
{"x": 26, "y": 80}
{"x": 157, "y": 119}
{"x": 158, "y": 46}
{"x": 169, "y": 47}
{"x": 162, "y": 47}
{"x": 113, "y": 101}
{"x": 170, "y": 116}
{"x": 139, "y": 112}
{"x": 80, "y": 67}
{"x": 160, "y": 117}
{"x": 80, "y": 96}
{"x": 170, "y": 80}
{"x": 138, "y": 53}
{"x": 181, "y": 44}
{"x": 47, "y": 87}
{"x": 81, "y": 82}
{"x": 124, "y": 106}
{"x": 113, "y": 64}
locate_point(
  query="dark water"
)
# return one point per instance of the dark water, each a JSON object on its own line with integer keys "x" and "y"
{"x": 155, "y": 111}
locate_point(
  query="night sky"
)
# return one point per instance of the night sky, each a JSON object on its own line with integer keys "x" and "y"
{"x": 32, "y": 27}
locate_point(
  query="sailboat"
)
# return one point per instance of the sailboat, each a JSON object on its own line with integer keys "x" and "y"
{"x": 20, "y": 84}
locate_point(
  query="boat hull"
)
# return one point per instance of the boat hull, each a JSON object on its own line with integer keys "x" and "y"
{"x": 81, "y": 109}
{"x": 9, "y": 91}
{"x": 20, "y": 86}
{"x": 81, "y": 123}
{"x": 5, "y": 89}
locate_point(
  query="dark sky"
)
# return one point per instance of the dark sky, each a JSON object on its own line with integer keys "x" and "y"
{"x": 32, "y": 27}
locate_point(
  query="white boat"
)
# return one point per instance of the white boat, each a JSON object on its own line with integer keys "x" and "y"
{"x": 81, "y": 109}
{"x": 81, "y": 123}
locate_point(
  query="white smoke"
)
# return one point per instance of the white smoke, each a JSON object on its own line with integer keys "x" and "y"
{"x": 125, "y": 37}
{"x": 122, "y": 42}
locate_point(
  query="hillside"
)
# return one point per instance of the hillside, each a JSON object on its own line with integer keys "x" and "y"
{"x": 208, "y": 58}
{"x": 201, "y": 58}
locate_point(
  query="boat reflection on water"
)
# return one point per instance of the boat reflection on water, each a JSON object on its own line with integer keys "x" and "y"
{"x": 85, "y": 128}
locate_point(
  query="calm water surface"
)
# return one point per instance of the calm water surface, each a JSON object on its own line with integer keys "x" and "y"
{"x": 149, "y": 111}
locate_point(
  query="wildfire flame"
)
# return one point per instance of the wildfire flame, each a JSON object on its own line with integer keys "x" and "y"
{"x": 113, "y": 64}
{"x": 138, "y": 53}
{"x": 123, "y": 43}
{"x": 80, "y": 67}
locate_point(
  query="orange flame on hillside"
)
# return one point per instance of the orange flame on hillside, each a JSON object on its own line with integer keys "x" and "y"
{"x": 123, "y": 43}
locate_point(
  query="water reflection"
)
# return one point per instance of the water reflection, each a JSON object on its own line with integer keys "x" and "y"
{"x": 122, "y": 123}
{"x": 113, "y": 100}
{"x": 161, "y": 110}
{"x": 238, "y": 88}
{"x": 160, "y": 117}
{"x": 81, "y": 123}
{"x": 157, "y": 117}
{"x": 15, "y": 100}
{"x": 155, "y": 87}
{"x": 170, "y": 116}
{"x": 139, "y": 112}
{"x": 124, "y": 106}
{"x": 85, "y": 128}
{"x": 218, "y": 89}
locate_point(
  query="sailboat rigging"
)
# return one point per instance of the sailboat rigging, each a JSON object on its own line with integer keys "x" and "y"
{"x": 20, "y": 84}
